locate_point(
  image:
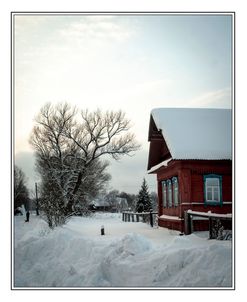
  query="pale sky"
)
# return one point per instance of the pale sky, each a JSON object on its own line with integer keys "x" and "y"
{"x": 129, "y": 62}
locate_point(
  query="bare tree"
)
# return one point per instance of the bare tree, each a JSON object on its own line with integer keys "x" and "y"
{"x": 100, "y": 134}
{"x": 69, "y": 147}
{"x": 21, "y": 193}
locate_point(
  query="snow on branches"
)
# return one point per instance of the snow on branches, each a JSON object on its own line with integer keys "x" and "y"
{"x": 69, "y": 149}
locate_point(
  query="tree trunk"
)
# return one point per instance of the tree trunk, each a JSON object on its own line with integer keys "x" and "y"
{"x": 78, "y": 183}
{"x": 69, "y": 207}
{"x": 70, "y": 204}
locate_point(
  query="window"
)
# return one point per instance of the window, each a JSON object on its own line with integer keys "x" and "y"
{"x": 169, "y": 188}
{"x": 175, "y": 191}
{"x": 213, "y": 189}
{"x": 170, "y": 193}
{"x": 164, "y": 194}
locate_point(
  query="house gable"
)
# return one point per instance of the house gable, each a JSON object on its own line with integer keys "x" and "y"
{"x": 158, "y": 151}
{"x": 190, "y": 151}
{"x": 189, "y": 134}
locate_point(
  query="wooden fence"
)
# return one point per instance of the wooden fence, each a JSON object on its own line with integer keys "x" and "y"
{"x": 212, "y": 219}
{"x": 136, "y": 217}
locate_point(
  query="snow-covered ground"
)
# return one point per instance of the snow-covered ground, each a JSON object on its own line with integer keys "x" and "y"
{"x": 129, "y": 255}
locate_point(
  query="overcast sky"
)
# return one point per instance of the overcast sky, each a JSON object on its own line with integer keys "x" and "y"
{"x": 129, "y": 62}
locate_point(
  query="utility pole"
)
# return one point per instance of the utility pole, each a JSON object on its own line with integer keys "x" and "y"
{"x": 37, "y": 200}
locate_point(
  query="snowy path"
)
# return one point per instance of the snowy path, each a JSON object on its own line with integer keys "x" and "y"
{"x": 129, "y": 255}
{"x": 114, "y": 227}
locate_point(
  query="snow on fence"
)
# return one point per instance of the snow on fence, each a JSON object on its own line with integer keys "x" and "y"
{"x": 213, "y": 219}
{"x": 136, "y": 217}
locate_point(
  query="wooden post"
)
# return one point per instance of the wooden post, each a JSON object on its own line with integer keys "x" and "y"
{"x": 151, "y": 219}
{"x": 102, "y": 230}
{"x": 187, "y": 223}
{"x": 132, "y": 216}
{"x": 128, "y": 217}
{"x": 191, "y": 223}
{"x": 210, "y": 226}
{"x": 123, "y": 216}
{"x": 137, "y": 217}
{"x": 37, "y": 200}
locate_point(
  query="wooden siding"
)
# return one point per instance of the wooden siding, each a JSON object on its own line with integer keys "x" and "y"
{"x": 191, "y": 188}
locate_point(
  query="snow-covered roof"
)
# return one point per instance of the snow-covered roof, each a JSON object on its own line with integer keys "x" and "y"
{"x": 156, "y": 167}
{"x": 100, "y": 203}
{"x": 195, "y": 133}
{"x": 121, "y": 200}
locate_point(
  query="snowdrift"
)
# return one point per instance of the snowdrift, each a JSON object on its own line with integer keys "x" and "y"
{"x": 66, "y": 257}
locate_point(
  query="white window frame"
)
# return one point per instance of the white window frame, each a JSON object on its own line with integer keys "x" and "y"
{"x": 169, "y": 190}
{"x": 175, "y": 191}
{"x": 164, "y": 194}
{"x": 215, "y": 190}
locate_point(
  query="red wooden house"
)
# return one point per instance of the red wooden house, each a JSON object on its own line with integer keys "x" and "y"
{"x": 191, "y": 154}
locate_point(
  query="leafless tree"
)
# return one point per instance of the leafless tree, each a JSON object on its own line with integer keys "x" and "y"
{"x": 68, "y": 146}
{"x": 21, "y": 193}
{"x": 100, "y": 134}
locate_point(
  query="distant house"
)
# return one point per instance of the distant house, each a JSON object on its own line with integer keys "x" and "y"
{"x": 121, "y": 204}
{"x": 191, "y": 154}
{"x": 99, "y": 204}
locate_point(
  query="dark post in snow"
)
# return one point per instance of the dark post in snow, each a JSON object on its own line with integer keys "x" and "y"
{"x": 210, "y": 226}
{"x": 37, "y": 200}
{"x": 151, "y": 218}
{"x": 102, "y": 230}
{"x": 187, "y": 223}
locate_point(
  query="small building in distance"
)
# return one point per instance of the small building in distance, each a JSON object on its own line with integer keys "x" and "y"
{"x": 99, "y": 204}
{"x": 191, "y": 154}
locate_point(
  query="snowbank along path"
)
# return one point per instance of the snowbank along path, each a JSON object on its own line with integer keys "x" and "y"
{"x": 129, "y": 255}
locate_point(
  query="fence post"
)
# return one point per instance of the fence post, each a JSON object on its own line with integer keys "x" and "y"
{"x": 210, "y": 226}
{"x": 123, "y": 216}
{"x": 151, "y": 219}
{"x": 137, "y": 217}
{"x": 191, "y": 224}
{"x": 187, "y": 223}
{"x": 37, "y": 200}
